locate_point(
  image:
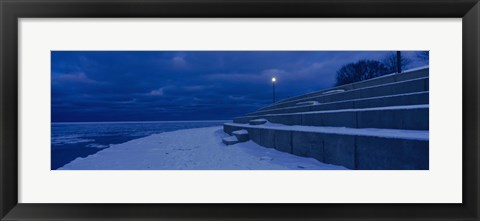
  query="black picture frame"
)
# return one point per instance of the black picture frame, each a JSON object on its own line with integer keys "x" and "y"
{"x": 12, "y": 10}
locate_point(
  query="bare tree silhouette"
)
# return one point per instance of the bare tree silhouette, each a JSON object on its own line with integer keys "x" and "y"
{"x": 423, "y": 55}
{"x": 359, "y": 71}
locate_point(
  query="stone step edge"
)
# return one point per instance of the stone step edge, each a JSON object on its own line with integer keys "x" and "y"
{"x": 333, "y": 88}
{"x": 422, "y": 135}
{"x": 384, "y": 76}
{"x": 322, "y": 95}
{"x": 335, "y": 102}
{"x": 403, "y": 107}
{"x": 241, "y": 135}
{"x": 231, "y": 140}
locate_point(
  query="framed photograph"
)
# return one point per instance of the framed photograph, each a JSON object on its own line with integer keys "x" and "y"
{"x": 319, "y": 110}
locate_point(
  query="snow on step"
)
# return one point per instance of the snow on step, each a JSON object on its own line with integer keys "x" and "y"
{"x": 308, "y": 103}
{"x": 258, "y": 121}
{"x": 240, "y": 132}
{"x": 374, "y": 132}
{"x": 401, "y": 107}
{"x": 258, "y": 113}
{"x": 334, "y": 91}
{"x": 230, "y": 140}
{"x": 414, "y": 85}
{"x": 241, "y": 135}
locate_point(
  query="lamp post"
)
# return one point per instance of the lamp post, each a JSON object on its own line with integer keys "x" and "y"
{"x": 273, "y": 84}
{"x": 399, "y": 62}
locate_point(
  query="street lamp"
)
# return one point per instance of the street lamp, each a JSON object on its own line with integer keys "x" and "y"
{"x": 399, "y": 62}
{"x": 273, "y": 84}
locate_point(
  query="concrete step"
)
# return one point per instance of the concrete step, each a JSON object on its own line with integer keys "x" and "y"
{"x": 415, "y": 73}
{"x": 307, "y": 103}
{"x": 403, "y": 87}
{"x": 362, "y": 149}
{"x": 382, "y": 101}
{"x": 257, "y": 121}
{"x": 231, "y": 140}
{"x": 241, "y": 135}
{"x": 409, "y": 117}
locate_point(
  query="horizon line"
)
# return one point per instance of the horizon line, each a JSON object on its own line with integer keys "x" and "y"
{"x": 113, "y": 122}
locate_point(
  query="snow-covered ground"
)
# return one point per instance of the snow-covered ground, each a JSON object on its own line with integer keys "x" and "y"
{"x": 193, "y": 149}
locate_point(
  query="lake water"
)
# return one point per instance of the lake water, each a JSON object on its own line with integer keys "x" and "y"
{"x": 72, "y": 140}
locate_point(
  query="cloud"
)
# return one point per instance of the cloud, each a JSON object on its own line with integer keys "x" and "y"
{"x": 157, "y": 92}
{"x": 231, "y": 97}
{"x": 236, "y": 77}
{"x": 275, "y": 72}
{"x": 197, "y": 87}
{"x": 179, "y": 62}
{"x": 73, "y": 78}
{"x": 265, "y": 76}
{"x": 169, "y": 85}
{"x": 314, "y": 67}
{"x": 131, "y": 101}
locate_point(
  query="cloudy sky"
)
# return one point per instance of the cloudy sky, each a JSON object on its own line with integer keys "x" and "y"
{"x": 191, "y": 85}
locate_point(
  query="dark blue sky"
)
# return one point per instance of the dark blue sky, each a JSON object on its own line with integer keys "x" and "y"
{"x": 189, "y": 85}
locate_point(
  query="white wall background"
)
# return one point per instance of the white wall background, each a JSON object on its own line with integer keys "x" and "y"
{"x": 441, "y": 184}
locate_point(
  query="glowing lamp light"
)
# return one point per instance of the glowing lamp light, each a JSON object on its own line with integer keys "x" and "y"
{"x": 273, "y": 87}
